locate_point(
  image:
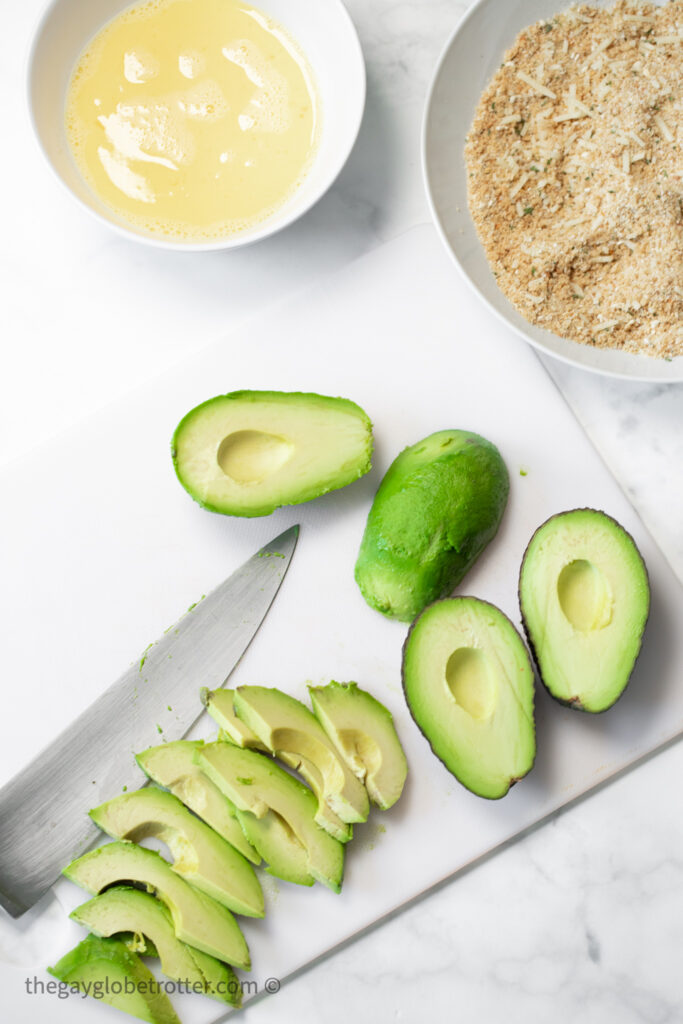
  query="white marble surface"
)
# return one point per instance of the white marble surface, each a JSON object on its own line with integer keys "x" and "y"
{"x": 582, "y": 920}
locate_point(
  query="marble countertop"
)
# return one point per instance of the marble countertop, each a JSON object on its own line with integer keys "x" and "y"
{"x": 583, "y": 918}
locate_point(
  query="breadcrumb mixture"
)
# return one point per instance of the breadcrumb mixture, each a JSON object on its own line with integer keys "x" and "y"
{"x": 575, "y": 171}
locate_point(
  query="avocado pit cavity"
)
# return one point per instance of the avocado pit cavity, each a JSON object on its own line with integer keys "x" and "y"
{"x": 250, "y": 456}
{"x": 585, "y": 596}
{"x": 471, "y": 682}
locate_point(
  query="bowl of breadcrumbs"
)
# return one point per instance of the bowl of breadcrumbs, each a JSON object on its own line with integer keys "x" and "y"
{"x": 553, "y": 157}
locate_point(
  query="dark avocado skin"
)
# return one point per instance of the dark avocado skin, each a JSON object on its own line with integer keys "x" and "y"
{"x": 438, "y": 506}
{"x": 463, "y": 597}
{"x": 574, "y": 703}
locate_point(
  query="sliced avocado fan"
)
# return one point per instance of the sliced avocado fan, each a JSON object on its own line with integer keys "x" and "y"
{"x": 200, "y": 855}
{"x": 291, "y": 731}
{"x": 172, "y": 765}
{"x": 585, "y": 601}
{"x": 469, "y": 685}
{"x": 364, "y": 734}
{"x": 249, "y": 452}
{"x": 198, "y": 919}
{"x": 123, "y": 909}
{"x": 109, "y": 971}
{"x": 256, "y": 784}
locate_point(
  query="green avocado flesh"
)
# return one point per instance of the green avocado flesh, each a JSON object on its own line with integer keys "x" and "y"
{"x": 285, "y": 855}
{"x": 438, "y": 506}
{"x": 585, "y": 600}
{"x": 200, "y": 855}
{"x": 249, "y": 452}
{"x": 469, "y": 685}
{"x": 364, "y": 735}
{"x": 130, "y": 910}
{"x": 172, "y": 765}
{"x": 112, "y": 973}
{"x": 219, "y": 704}
{"x": 289, "y": 730}
{"x": 256, "y": 784}
{"x": 198, "y": 919}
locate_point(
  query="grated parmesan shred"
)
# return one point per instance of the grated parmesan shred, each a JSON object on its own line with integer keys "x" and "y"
{"x": 576, "y": 182}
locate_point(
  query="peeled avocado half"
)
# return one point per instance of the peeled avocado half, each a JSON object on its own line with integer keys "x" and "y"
{"x": 469, "y": 685}
{"x": 125, "y": 910}
{"x": 97, "y": 965}
{"x": 256, "y": 784}
{"x": 363, "y": 732}
{"x": 200, "y": 855}
{"x": 438, "y": 506}
{"x": 585, "y": 600}
{"x": 249, "y": 452}
{"x": 172, "y": 765}
{"x": 198, "y": 919}
{"x": 291, "y": 731}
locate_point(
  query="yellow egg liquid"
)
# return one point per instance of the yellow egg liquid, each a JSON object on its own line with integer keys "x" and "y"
{"x": 192, "y": 119}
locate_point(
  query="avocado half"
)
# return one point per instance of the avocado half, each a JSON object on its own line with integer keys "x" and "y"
{"x": 249, "y": 452}
{"x": 469, "y": 685}
{"x": 584, "y": 595}
{"x": 440, "y": 503}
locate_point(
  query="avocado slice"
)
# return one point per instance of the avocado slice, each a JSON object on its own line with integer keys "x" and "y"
{"x": 200, "y": 855}
{"x": 172, "y": 765}
{"x": 364, "y": 734}
{"x": 198, "y": 919}
{"x": 98, "y": 966}
{"x": 285, "y": 855}
{"x": 249, "y": 452}
{"x": 219, "y": 704}
{"x": 123, "y": 909}
{"x": 290, "y": 731}
{"x": 257, "y": 784}
{"x": 469, "y": 685}
{"x": 585, "y": 601}
{"x": 438, "y": 506}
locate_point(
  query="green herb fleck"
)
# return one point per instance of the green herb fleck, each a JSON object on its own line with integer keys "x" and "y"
{"x": 143, "y": 659}
{"x": 528, "y": 210}
{"x": 245, "y": 782}
{"x": 159, "y": 729}
{"x": 523, "y": 472}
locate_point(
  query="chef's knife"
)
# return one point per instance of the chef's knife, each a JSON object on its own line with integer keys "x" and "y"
{"x": 43, "y": 810}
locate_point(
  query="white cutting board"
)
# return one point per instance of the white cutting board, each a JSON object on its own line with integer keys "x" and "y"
{"x": 101, "y": 550}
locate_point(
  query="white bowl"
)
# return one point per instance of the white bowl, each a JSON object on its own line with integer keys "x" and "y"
{"x": 472, "y": 55}
{"x": 322, "y": 28}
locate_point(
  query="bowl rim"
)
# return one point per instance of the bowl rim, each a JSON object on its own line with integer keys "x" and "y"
{"x": 540, "y": 347}
{"x": 272, "y": 225}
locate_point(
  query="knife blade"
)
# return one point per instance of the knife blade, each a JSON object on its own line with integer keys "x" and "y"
{"x": 44, "y": 822}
